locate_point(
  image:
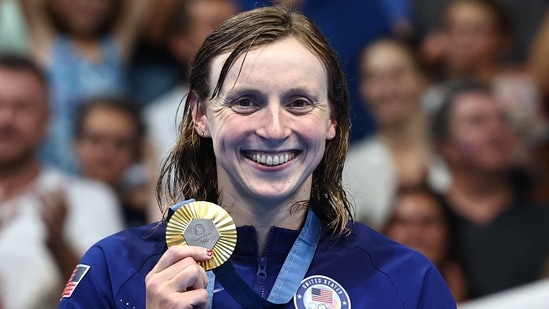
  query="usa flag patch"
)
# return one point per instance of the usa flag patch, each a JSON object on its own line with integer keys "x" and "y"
{"x": 78, "y": 273}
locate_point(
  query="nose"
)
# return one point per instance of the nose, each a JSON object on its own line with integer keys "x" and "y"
{"x": 6, "y": 114}
{"x": 274, "y": 122}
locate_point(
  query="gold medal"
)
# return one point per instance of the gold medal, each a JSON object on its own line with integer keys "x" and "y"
{"x": 203, "y": 224}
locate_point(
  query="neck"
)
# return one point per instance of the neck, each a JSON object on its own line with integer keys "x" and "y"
{"x": 410, "y": 132}
{"x": 285, "y": 215}
{"x": 480, "y": 197}
{"x": 88, "y": 47}
{"x": 15, "y": 180}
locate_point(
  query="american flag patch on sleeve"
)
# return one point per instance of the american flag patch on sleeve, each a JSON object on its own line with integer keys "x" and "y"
{"x": 78, "y": 273}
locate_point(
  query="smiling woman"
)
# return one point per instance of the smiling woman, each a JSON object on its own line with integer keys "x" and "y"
{"x": 290, "y": 118}
{"x": 264, "y": 135}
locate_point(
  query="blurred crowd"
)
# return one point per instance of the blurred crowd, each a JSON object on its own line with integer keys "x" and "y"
{"x": 449, "y": 144}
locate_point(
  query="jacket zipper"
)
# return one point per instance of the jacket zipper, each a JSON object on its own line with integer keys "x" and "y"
{"x": 261, "y": 276}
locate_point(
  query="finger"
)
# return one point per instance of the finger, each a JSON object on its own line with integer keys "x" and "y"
{"x": 198, "y": 298}
{"x": 50, "y": 210}
{"x": 191, "y": 299}
{"x": 191, "y": 277}
{"x": 46, "y": 210}
{"x": 177, "y": 253}
{"x": 182, "y": 274}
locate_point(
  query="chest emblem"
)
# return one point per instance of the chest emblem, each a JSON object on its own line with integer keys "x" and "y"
{"x": 321, "y": 292}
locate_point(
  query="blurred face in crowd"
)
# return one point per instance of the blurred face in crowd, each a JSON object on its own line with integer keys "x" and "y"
{"x": 473, "y": 36}
{"x": 204, "y": 17}
{"x": 23, "y": 116}
{"x": 479, "y": 136}
{"x": 108, "y": 144}
{"x": 391, "y": 84}
{"x": 418, "y": 223}
{"x": 84, "y": 17}
{"x": 270, "y": 122}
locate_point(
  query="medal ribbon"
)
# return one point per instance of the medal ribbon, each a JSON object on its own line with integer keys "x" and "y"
{"x": 290, "y": 276}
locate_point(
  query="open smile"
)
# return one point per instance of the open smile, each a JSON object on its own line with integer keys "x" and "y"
{"x": 270, "y": 159}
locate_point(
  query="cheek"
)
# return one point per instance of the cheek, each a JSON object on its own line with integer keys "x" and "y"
{"x": 124, "y": 159}
{"x": 226, "y": 131}
{"x": 467, "y": 147}
{"x": 468, "y": 140}
{"x": 33, "y": 127}
{"x": 398, "y": 233}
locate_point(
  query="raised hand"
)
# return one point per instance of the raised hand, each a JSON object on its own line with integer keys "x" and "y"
{"x": 177, "y": 281}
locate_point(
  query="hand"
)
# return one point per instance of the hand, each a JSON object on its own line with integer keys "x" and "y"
{"x": 177, "y": 281}
{"x": 54, "y": 214}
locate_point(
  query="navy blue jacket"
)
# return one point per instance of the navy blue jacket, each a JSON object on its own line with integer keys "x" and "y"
{"x": 362, "y": 270}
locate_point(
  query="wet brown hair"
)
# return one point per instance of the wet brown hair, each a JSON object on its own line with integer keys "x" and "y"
{"x": 190, "y": 169}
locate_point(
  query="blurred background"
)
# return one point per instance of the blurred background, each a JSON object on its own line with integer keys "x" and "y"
{"x": 449, "y": 141}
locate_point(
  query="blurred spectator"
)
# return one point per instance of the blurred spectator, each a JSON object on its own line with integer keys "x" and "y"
{"x": 153, "y": 70}
{"x": 504, "y": 237}
{"x": 539, "y": 68}
{"x": 48, "y": 219}
{"x": 83, "y": 46}
{"x": 391, "y": 85}
{"x": 475, "y": 38}
{"x": 189, "y": 24}
{"x": 420, "y": 222}
{"x": 538, "y": 64}
{"x": 349, "y": 25}
{"x": 109, "y": 144}
{"x": 524, "y": 16}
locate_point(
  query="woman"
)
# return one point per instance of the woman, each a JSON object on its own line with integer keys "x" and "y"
{"x": 264, "y": 135}
{"x": 110, "y": 147}
{"x": 392, "y": 82}
{"x": 421, "y": 222}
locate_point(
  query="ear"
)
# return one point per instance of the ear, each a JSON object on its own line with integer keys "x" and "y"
{"x": 200, "y": 119}
{"x": 331, "y": 130}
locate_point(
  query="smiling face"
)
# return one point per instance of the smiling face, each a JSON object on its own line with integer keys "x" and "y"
{"x": 418, "y": 222}
{"x": 391, "y": 83}
{"x": 107, "y": 145}
{"x": 480, "y": 137}
{"x": 84, "y": 18}
{"x": 23, "y": 116}
{"x": 473, "y": 36}
{"x": 269, "y": 124}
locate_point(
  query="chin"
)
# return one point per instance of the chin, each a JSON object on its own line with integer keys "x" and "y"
{"x": 273, "y": 195}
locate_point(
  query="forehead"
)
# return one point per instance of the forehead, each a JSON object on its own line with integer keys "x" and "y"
{"x": 474, "y": 103}
{"x": 414, "y": 204}
{"x": 21, "y": 83}
{"x": 468, "y": 11}
{"x": 97, "y": 116}
{"x": 285, "y": 63}
{"x": 386, "y": 55}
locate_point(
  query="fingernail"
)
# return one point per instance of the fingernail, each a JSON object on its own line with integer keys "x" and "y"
{"x": 209, "y": 252}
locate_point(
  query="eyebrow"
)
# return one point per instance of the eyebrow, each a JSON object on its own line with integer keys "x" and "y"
{"x": 254, "y": 92}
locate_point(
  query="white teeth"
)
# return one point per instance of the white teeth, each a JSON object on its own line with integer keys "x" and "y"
{"x": 271, "y": 160}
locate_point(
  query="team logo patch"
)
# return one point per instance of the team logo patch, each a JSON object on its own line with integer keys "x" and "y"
{"x": 77, "y": 275}
{"x": 321, "y": 292}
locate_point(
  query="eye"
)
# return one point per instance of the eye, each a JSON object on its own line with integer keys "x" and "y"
{"x": 244, "y": 105}
{"x": 300, "y": 106}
